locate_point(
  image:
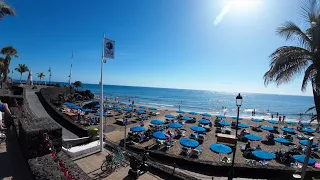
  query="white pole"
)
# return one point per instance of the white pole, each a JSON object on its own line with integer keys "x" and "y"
{"x": 306, "y": 159}
{"x": 70, "y": 70}
{"x": 101, "y": 98}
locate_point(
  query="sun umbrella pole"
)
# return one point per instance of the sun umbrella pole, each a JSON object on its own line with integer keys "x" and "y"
{"x": 306, "y": 159}
{"x": 101, "y": 98}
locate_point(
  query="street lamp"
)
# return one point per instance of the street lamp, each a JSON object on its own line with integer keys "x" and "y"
{"x": 238, "y": 103}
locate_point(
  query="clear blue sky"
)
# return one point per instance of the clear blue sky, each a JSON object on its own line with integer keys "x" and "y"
{"x": 179, "y": 44}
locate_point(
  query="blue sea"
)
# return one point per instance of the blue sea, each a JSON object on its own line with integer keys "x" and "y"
{"x": 209, "y": 101}
{"x": 212, "y": 102}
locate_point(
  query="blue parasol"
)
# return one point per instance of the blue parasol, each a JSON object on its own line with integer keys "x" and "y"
{"x": 142, "y": 107}
{"x": 153, "y": 109}
{"x": 206, "y": 114}
{"x": 308, "y": 130}
{"x": 241, "y": 125}
{"x": 282, "y": 140}
{"x": 87, "y": 110}
{"x": 306, "y": 124}
{"x": 220, "y": 116}
{"x": 186, "y": 118}
{"x": 224, "y": 123}
{"x": 189, "y": 142}
{"x": 289, "y": 130}
{"x": 220, "y": 148}
{"x": 300, "y": 158}
{"x": 193, "y": 113}
{"x": 132, "y": 105}
{"x": 160, "y": 135}
{"x": 140, "y": 111}
{"x": 175, "y": 125}
{"x": 137, "y": 129}
{"x": 79, "y": 101}
{"x": 122, "y": 104}
{"x": 117, "y": 107}
{"x": 156, "y": 122}
{"x": 198, "y": 129}
{"x": 98, "y": 114}
{"x": 71, "y": 105}
{"x": 127, "y": 109}
{"x": 180, "y": 111}
{"x": 290, "y": 122}
{"x": 114, "y": 103}
{"x": 67, "y": 103}
{"x": 273, "y": 121}
{"x": 97, "y": 106}
{"x": 108, "y": 107}
{"x": 263, "y": 155}
{"x": 204, "y": 121}
{"x": 170, "y": 116}
{"x": 305, "y": 143}
{"x": 76, "y": 107}
{"x": 268, "y": 128}
{"x": 252, "y": 137}
{"x": 256, "y": 120}
{"x": 235, "y": 117}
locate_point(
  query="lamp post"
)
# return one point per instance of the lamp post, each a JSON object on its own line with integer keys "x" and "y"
{"x": 238, "y": 103}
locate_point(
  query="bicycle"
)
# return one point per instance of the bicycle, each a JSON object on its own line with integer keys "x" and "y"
{"x": 113, "y": 162}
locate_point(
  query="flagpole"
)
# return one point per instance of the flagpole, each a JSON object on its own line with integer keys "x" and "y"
{"x": 70, "y": 70}
{"x": 101, "y": 98}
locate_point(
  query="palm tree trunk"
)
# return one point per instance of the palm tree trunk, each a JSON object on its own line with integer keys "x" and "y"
{"x": 316, "y": 95}
{"x": 20, "y": 77}
{"x": 5, "y": 73}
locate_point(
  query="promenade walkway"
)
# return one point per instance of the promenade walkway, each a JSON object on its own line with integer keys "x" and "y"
{"x": 38, "y": 110}
{"x": 91, "y": 165}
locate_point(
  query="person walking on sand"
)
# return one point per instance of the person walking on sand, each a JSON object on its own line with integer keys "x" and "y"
{"x": 279, "y": 119}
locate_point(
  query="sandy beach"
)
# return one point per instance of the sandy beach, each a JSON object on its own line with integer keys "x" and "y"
{"x": 207, "y": 154}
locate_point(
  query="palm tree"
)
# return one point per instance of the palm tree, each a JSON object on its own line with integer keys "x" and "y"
{"x": 288, "y": 61}
{"x": 8, "y": 51}
{"x": 5, "y": 10}
{"x": 22, "y": 68}
{"x": 40, "y": 76}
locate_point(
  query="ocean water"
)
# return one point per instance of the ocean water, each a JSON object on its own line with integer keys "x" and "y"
{"x": 209, "y": 101}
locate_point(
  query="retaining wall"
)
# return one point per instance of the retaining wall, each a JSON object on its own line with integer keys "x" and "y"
{"x": 46, "y": 94}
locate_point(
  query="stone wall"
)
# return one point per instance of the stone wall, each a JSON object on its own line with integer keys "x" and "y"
{"x": 46, "y": 95}
{"x": 29, "y": 132}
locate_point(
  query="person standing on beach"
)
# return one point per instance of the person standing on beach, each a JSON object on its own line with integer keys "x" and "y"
{"x": 277, "y": 114}
{"x": 179, "y": 107}
{"x": 284, "y": 117}
{"x": 271, "y": 116}
{"x": 279, "y": 119}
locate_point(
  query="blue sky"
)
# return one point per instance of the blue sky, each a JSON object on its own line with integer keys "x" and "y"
{"x": 178, "y": 44}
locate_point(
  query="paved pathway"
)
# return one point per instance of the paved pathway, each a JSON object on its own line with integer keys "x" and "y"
{"x": 12, "y": 164}
{"x": 38, "y": 110}
{"x": 91, "y": 166}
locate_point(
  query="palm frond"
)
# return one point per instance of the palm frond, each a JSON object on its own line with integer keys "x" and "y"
{"x": 314, "y": 117}
{"x": 285, "y": 63}
{"x": 6, "y": 10}
{"x": 291, "y": 31}
{"x": 308, "y": 75}
{"x": 310, "y": 109}
{"x": 309, "y": 11}
{"x": 9, "y": 51}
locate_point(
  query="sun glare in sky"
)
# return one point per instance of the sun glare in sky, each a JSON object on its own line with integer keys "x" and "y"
{"x": 235, "y": 5}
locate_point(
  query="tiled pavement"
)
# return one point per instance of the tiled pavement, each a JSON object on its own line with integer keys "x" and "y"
{"x": 91, "y": 166}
